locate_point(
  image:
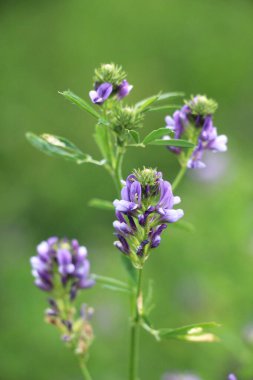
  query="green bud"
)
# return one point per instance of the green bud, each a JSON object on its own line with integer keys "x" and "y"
{"x": 147, "y": 176}
{"x": 201, "y": 105}
{"x": 110, "y": 73}
{"x": 127, "y": 118}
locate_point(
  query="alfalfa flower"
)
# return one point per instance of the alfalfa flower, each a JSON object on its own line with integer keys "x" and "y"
{"x": 194, "y": 122}
{"x": 101, "y": 93}
{"x": 109, "y": 80}
{"x": 145, "y": 209}
{"x": 61, "y": 267}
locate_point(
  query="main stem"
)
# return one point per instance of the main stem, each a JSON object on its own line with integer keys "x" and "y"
{"x": 179, "y": 177}
{"x": 84, "y": 369}
{"x": 135, "y": 327}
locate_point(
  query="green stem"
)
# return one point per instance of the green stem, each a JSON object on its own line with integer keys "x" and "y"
{"x": 135, "y": 327}
{"x": 117, "y": 171}
{"x": 84, "y": 370}
{"x": 179, "y": 177}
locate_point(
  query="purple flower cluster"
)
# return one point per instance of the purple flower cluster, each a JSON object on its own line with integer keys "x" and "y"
{"x": 102, "y": 91}
{"x": 61, "y": 264}
{"x": 143, "y": 212}
{"x": 204, "y": 134}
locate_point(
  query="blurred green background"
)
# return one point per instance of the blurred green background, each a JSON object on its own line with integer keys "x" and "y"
{"x": 197, "y": 46}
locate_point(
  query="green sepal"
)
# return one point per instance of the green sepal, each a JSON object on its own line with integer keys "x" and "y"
{"x": 156, "y": 134}
{"x": 75, "y": 99}
{"x": 101, "y": 204}
{"x": 60, "y": 146}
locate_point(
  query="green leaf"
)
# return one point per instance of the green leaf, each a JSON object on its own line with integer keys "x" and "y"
{"x": 101, "y": 204}
{"x": 117, "y": 289}
{"x": 184, "y": 225}
{"x": 75, "y": 99}
{"x": 129, "y": 268}
{"x": 161, "y": 108}
{"x": 111, "y": 283}
{"x": 103, "y": 141}
{"x": 135, "y": 136}
{"x": 191, "y": 333}
{"x": 59, "y": 146}
{"x": 154, "y": 135}
{"x": 145, "y": 103}
{"x": 168, "y": 95}
{"x": 173, "y": 142}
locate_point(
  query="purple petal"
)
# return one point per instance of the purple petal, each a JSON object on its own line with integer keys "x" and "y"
{"x": 171, "y": 216}
{"x": 122, "y": 227}
{"x": 140, "y": 250}
{"x": 135, "y": 192}
{"x": 81, "y": 253}
{"x": 124, "y": 206}
{"x": 104, "y": 90}
{"x": 83, "y": 270}
{"x": 86, "y": 283}
{"x": 166, "y": 195}
{"x": 125, "y": 193}
{"x": 124, "y": 89}
{"x": 64, "y": 257}
{"x": 120, "y": 246}
{"x": 42, "y": 285}
{"x": 219, "y": 144}
{"x": 95, "y": 98}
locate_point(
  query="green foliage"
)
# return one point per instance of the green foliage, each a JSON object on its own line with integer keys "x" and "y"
{"x": 61, "y": 147}
{"x": 191, "y": 333}
{"x": 156, "y": 134}
{"x": 102, "y": 138}
{"x": 112, "y": 284}
{"x": 75, "y": 99}
{"x": 101, "y": 204}
{"x": 173, "y": 142}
